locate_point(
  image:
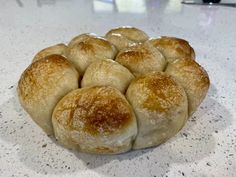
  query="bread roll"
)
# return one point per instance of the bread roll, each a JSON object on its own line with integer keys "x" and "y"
{"x": 107, "y": 73}
{"x": 80, "y": 38}
{"x": 193, "y": 78}
{"x": 161, "y": 108}
{"x": 173, "y": 48}
{"x": 59, "y": 49}
{"x": 87, "y": 49}
{"x": 43, "y": 84}
{"x": 141, "y": 58}
{"x": 95, "y": 120}
{"x": 123, "y": 37}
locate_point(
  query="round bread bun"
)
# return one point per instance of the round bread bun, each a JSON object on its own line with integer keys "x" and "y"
{"x": 123, "y": 37}
{"x": 86, "y": 49}
{"x": 107, "y": 73}
{"x": 95, "y": 120}
{"x": 141, "y": 59}
{"x": 59, "y": 49}
{"x": 161, "y": 108}
{"x": 43, "y": 84}
{"x": 173, "y": 48}
{"x": 193, "y": 78}
{"x": 80, "y": 38}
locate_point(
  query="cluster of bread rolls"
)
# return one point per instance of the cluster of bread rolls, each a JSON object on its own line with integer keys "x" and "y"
{"x": 111, "y": 94}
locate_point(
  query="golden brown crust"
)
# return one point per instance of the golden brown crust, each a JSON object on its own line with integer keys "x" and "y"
{"x": 193, "y": 78}
{"x": 43, "y": 84}
{"x": 101, "y": 42}
{"x": 90, "y": 42}
{"x": 95, "y": 110}
{"x": 80, "y": 38}
{"x": 190, "y": 67}
{"x": 123, "y": 37}
{"x": 37, "y": 76}
{"x": 88, "y": 49}
{"x": 107, "y": 73}
{"x": 161, "y": 108}
{"x": 173, "y": 48}
{"x": 163, "y": 91}
{"x": 133, "y": 55}
{"x": 141, "y": 59}
{"x": 59, "y": 49}
{"x": 131, "y": 33}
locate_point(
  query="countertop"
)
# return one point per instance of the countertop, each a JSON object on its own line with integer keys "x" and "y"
{"x": 205, "y": 147}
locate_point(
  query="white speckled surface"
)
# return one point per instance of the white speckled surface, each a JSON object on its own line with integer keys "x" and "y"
{"x": 207, "y": 144}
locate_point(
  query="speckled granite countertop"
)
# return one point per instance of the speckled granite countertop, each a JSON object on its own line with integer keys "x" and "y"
{"x": 207, "y": 144}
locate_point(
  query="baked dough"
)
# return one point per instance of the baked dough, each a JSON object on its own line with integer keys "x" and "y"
{"x": 123, "y": 37}
{"x": 107, "y": 73}
{"x": 59, "y": 49}
{"x": 81, "y": 38}
{"x": 161, "y": 107}
{"x": 43, "y": 84}
{"x": 85, "y": 49}
{"x": 193, "y": 78}
{"x": 141, "y": 58}
{"x": 173, "y": 48}
{"x": 95, "y": 120}
{"x": 135, "y": 92}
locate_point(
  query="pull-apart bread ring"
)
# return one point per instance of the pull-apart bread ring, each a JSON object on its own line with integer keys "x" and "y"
{"x": 113, "y": 94}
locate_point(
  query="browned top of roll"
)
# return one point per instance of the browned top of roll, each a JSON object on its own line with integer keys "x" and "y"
{"x": 141, "y": 58}
{"x": 88, "y": 40}
{"x": 92, "y": 45}
{"x": 99, "y": 42}
{"x": 190, "y": 70}
{"x": 173, "y": 47}
{"x": 135, "y": 54}
{"x": 94, "y": 110}
{"x": 37, "y": 76}
{"x": 80, "y": 38}
{"x": 59, "y": 49}
{"x": 163, "y": 92}
{"x": 130, "y": 33}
